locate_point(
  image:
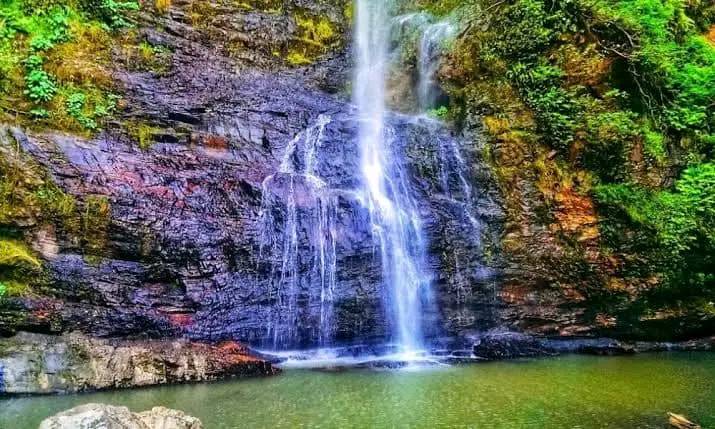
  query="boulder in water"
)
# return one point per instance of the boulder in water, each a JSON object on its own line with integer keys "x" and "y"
{"x": 112, "y": 417}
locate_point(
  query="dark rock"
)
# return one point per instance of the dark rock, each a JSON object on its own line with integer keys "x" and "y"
{"x": 509, "y": 345}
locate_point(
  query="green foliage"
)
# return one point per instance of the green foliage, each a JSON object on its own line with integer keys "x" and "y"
{"x": 609, "y": 135}
{"x": 148, "y": 57}
{"x": 40, "y": 86}
{"x": 79, "y": 107}
{"x": 441, "y": 112}
{"x": 679, "y": 226}
{"x": 17, "y": 266}
{"x": 676, "y": 64}
{"x": 35, "y": 40}
{"x": 622, "y": 92}
{"x": 110, "y": 12}
{"x": 14, "y": 254}
{"x": 668, "y": 88}
{"x": 527, "y": 27}
{"x": 316, "y": 36}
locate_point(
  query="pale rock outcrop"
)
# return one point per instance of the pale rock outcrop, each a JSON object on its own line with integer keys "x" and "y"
{"x": 42, "y": 364}
{"x": 100, "y": 416}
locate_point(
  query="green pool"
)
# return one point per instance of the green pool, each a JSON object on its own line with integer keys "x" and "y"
{"x": 563, "y": 392}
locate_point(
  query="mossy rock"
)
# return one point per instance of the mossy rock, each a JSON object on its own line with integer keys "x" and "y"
{"x": 16, "y": 255}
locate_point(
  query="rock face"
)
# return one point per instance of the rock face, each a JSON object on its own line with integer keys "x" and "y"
{"x": 91, "y": 416}
{"x": 184, "y": 251}
{"x": 35, "y": 363}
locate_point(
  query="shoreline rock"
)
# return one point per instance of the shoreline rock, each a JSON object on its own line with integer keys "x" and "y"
{"x": 511, "y": 345}
{"x": 90, "y": 416}
{"x": 73, "y": 363}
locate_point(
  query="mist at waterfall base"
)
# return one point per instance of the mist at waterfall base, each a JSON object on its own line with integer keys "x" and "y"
{"x": 308, "y": 206}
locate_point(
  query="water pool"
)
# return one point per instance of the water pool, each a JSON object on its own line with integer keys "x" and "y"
{"x": 561, "y": 392}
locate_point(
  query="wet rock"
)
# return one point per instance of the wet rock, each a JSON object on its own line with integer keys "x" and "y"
{"x": 508, "y": 346}
{"x": 186, "y": 249}
{"x": 92, "y": 416}
{"x": 594, "y": 346}
{"x": 185, "y": 245}
{"x": 41, "y": 364}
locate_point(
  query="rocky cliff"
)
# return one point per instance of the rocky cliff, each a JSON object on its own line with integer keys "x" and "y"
{"x": 155, "y": 225}
{"x": 178, "y": 250}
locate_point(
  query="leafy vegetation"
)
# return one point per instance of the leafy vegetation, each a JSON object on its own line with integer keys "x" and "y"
{"x": 675, "y": 228}
{"x": 52, "y": 61}
{"x": 622, "y": 94}
{"x": 17, "y": 263}
{"x": 442, "y": 112}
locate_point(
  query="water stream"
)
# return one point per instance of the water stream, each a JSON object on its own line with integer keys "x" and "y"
{"x": 431, "y": 46}
{"x": 396, "y": 223}
{"x": 299, "y": 208}
{"x": 308, "y": 203}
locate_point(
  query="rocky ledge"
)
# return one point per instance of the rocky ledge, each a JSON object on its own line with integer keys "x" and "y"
{"x": 43, "y": 364}
{"x": 106, "y": 416}
{"x": 510, "y": 345}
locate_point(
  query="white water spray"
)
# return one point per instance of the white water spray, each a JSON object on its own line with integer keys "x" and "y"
{"x": 395, "y": 222}
{"x": 306, "y": 201}
{"x": 431, "y": 47}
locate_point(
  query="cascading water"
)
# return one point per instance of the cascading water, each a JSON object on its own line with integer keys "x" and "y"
{"x": 396, "y": 224}
{"x": 305, "y": 201}
{"x": 432, "y": 39}
{"x": 431, "y": 46}
{"x": 325, "y": 206}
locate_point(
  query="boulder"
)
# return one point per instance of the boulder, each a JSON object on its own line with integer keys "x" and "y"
{"x": 166, "y": 418}
{"x": 101, "y": 416}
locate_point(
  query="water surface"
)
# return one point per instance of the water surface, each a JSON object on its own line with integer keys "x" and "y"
{"x": 564, "y": 392}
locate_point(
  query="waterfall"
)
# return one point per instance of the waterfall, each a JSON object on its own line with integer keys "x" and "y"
{"x": 293, "y": 198}
{"x": 432, "y": 37}
{"x": 381, "y": 190}
{"x": 431, "y": 46}
{"x": 395, "y": 221}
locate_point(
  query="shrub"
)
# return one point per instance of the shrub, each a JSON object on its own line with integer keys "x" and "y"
{"x": 680, "y": 225}
{"x": 40, "y": 86}
{"x": 52, "y": 54}
{"x": 110, "y": 12}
